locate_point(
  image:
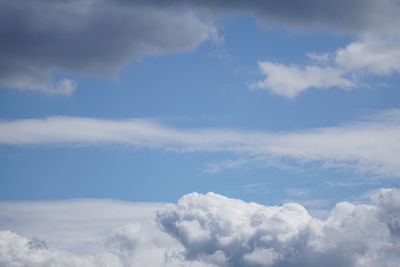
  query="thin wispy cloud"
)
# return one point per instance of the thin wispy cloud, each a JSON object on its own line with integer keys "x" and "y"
{"x": 369, "y": 146}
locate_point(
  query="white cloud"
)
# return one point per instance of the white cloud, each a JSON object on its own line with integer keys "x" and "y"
{"x": 68, "y": 224}
{"x": 289, "y": 81}
{"x": 248, "y": 234}
{"x": 85, "y": 233}
{"x": 370, "y": 145}
{"x": 63, "y": 87}
{"x": 372, "y": 55}
{"x": 200, "y": 231}
{"x": 378, "y": 56}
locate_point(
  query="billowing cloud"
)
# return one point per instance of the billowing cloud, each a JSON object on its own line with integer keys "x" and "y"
{"x": 370, "y": 145}
{"x": 230, "y": 232}
{"x": 200, "y": 230}
{"x": 39, "y": 38}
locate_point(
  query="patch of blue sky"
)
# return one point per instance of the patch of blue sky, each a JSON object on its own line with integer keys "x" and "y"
{"x": 206, "y": 88}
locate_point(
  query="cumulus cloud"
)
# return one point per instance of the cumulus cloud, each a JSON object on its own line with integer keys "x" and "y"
{"x": 230, "y": 232}
{"x": 370, "y": 145}
{"x": 200, "y": 230}
{"x": 87, "y": 38}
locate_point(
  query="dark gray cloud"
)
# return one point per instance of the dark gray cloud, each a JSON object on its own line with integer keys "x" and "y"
{"x": 347, "y": 15}
{"x": 95, "y": 37}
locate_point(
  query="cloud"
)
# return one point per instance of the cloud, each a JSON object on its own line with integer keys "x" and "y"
{"x": 230, "y": 232}
{"x": 85, "y": 233}
{"x": 378, "y": 56}
{"x": 343, "y": 68}
{"x": 200, "y": 230}
{"x": 81, "y": 37}
{"x": 342, "y": 15}
{"x": 78, "y": 225}
{"x": 289, "y": 81}
{"x": 375, "y": 51}
{"x": 87, "y": 38}
{"x": 370, "y": 145}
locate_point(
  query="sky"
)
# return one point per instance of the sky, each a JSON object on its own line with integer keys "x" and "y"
{"x": 142, "y": 133}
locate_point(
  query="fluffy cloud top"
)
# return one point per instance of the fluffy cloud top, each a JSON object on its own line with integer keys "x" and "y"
{"x": 230, "y": 232}
{"x": 201, "y": 231}
{"x": 370, "y": 146}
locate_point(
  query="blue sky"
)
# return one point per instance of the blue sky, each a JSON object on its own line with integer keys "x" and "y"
{"x": 204, "y": 88}
{"x": 140, "y": 133}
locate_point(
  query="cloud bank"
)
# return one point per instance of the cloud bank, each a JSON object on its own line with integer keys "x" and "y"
{"x": 371, "y": 145}
{"x": 200, "y": 230}
{"x": 82, "y": 37}
{"x": 229, "y": 232}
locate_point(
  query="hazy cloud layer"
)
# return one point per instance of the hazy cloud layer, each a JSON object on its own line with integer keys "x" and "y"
{"x": 84, "y": 233}
{"x": 230, "y": 232}
{"x": 371, "y": 145}
{"x": 199, "y": 231}
{"x": 78, "y": 225}
{"x": 96, "y": 37}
